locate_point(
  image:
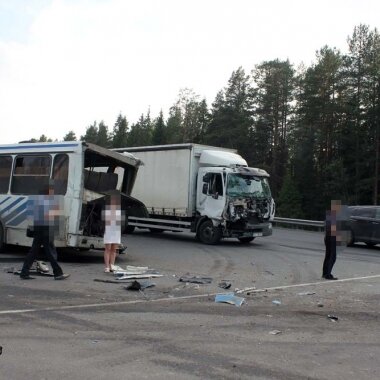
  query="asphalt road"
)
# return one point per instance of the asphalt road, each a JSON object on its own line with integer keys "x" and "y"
{"x": 84, "y": 329}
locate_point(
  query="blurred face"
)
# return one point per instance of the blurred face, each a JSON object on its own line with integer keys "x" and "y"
{"x": 336, "y": 206}
{"x": 115, "y": 202}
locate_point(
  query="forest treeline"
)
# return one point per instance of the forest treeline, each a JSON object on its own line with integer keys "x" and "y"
{"x": 314, "y": 129}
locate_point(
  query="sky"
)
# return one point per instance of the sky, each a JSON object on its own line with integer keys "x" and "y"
{"x": 66, "y": 63}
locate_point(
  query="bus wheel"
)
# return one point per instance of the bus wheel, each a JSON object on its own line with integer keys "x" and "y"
{"x": 246, "y": 239}
{"x": 2, "y": 238}
{"x": 208, "y": 233}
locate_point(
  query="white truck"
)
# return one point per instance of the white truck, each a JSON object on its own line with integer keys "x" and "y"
{"x": 203, "y": 189}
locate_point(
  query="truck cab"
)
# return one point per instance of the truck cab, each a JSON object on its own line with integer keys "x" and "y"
{"x": 235, "y": 199}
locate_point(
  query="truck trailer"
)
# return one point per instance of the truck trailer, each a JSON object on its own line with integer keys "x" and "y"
{"x": 207, "y": 190}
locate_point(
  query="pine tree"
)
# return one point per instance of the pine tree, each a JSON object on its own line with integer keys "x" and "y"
{"x": 70, "y": 136}
{"x": 231, "y": 116}
{"x": 91, "y": 134}
{"x": 103, "y": 138}
{"x": 120, "y": 132}
{"x": 289, "y": 202}
{"x": 159, "y": 130}
{"x": 273, "y": 94}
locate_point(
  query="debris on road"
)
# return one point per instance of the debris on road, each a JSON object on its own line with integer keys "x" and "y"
{"x": 269, "y": 272}
{"x": 332, "y": 318}
{"x": 276, "y": 302}
{"x": 244, "y": 290}
{"x": 130, "y": 269}
{"x": 275, "y": 332}
{"x": 320, "y": 305}
{"x": 109, "y": 281}
{"x": 136, "y": 285}
{"x": 229, "y": 298}
{"x": 41, "y": 266}
{"x": 121, "y": 277}
{"x": 306, "y": 293}
{"x": 224, "y": 285}
{"x": 195, "y": 279}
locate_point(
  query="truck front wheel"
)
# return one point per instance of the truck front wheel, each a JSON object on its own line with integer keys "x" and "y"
{"x": 208, "y": 233}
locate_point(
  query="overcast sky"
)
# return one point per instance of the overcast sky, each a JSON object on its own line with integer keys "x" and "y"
{"x": 67, "y": 63}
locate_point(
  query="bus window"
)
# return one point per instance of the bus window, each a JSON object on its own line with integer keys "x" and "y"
{"x": 5, "y": 173}
{"x": 60, "y": 173}
{"x": 31, "y": 174}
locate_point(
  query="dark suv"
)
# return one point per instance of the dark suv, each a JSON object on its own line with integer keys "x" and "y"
{"x": 364, "y": 224}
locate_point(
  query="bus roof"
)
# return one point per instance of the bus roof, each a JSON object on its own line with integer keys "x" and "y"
{"x": 68, "y": 147}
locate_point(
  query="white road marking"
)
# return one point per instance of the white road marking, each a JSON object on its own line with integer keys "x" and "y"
{"x": 118, "y": 303}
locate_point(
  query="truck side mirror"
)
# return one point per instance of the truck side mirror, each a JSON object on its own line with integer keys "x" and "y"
{"x": 205, "y": 188}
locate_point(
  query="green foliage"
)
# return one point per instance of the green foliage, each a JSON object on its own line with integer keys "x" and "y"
{"x": 141, "y": 132}
{"x": 159, "y": 130}
{"x": 120, "y": 132}
{"x": 231, "y": 116}
{"x": 289, "y": 202}
{"x": 43, "y": 138}
{"x": 70, "y": 136}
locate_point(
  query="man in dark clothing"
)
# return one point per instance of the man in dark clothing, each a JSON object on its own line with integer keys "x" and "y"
{"x": 45, "y": 211}
{"x": 333, "y": 237}
{"x": 330, "y": 243}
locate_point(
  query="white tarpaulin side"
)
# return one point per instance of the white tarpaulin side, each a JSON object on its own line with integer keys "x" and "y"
{"x": 164, "y": 180}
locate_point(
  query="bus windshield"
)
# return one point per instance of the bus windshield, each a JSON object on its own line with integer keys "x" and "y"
{"x": 239, "y": 185}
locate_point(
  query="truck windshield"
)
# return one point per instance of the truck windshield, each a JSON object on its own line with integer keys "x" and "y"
{"x": 239, "y": 185}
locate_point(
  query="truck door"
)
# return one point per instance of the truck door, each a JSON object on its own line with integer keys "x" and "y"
{"x": 210, "y": 193}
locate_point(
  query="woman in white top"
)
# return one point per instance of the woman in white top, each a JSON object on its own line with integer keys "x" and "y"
{"x": 112, "y": 233}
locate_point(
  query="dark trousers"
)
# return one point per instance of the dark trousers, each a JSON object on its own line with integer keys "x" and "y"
{"x": 42, "y": 238}
{"x": 330, "y": 256}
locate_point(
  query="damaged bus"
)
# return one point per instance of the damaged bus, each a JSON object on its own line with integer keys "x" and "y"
{"x": 82, "y": 174}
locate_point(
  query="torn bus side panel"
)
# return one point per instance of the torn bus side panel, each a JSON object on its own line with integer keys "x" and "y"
{"x": 103, "y": 175}
{"x": 91, "y": 220}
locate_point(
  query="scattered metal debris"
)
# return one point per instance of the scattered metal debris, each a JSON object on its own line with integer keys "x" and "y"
{"x": 131, "y": 270}
{"x": 332, "y": 318}
{"x": 244, "y": 290}
{"x": 195, "y": 279}
{"x": 276, "y": 302}
{"x": 306, "y": 293}
{"x": 224, "y": 285}
{"x": 136, "y": 285}
{"x": 230, "y": 298}
{"x": 122, "y": 277}
{"x": 275, "y": 332}
{"x": 41, "y": 266}
{"x": 110, "y": 281}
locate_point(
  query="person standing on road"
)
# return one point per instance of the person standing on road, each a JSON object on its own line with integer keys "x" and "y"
{"x": 334, "y": 237}
{"x": 112, "y": 217}
{"x": 45, "y": 212}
